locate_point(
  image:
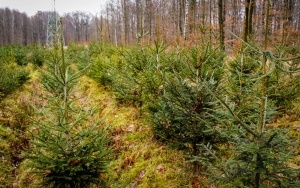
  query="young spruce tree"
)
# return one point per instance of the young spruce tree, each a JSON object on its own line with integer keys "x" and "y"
{"x": 182, "y": 115}
{"x": 260, "y": 155}
{"x": 69, "y": 148}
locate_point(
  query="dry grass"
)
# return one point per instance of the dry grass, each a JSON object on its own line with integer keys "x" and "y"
{"x": 139, "y": 161}
{"x": 17, "y": 112}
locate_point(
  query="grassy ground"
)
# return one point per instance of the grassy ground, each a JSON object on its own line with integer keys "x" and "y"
{"x": 17, "y": 112}
{"x": 138, "y": 160}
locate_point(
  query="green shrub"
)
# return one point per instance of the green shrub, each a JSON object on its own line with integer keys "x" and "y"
{"x": 12, "y": 76}
{"x": 20, "y": 55}
{"x": 106, "y": 61}
{"x": 13, "y": 73}
{"x": 242, "y": 84}
{"x": 139, "y": 74}
{"x": 285, "y": 81}
{"x": 38, "y": 56}
{"x": 183, "y": 114}
{"x": 6, "y": 56}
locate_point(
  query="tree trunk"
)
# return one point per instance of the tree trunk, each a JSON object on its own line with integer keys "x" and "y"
{"x": 210, "y": 21}
{"x": 203, "y": 12}
{"x": 181, "y": 16}
{"x": 249, "y": 7}
{"x": 149, "y": 18}
{"x": 139, "y": 30}
{"x": 126, "y": 21}
{"x": 101, "y": 29}
{"x": 186, "y": 16}
{"x": 8, "y": 26}
{"x": 251, "y": 10}
{"x": 107, "y": 25}
{"x": 287, "y": 18}
{"x": 257, "y": 180}
{"x": 192, "y": 18}
{"x": 221, "y": 24}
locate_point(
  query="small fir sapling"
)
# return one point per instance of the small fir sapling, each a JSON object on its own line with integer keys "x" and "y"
{"x": 69, "y": 147}
{"x": 260, "y": 155}
{"x": 183, "y": 114}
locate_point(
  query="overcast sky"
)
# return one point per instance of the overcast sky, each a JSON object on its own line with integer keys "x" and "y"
{"x": 62, "y": 6}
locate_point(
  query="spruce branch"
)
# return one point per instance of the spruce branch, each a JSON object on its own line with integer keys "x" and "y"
{"x": 245, "y": 126}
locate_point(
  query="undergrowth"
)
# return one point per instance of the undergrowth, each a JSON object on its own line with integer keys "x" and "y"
{"x": 138, "y": 160}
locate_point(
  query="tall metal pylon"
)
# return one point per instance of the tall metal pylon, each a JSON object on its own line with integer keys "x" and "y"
{"x": 53, "y": 28}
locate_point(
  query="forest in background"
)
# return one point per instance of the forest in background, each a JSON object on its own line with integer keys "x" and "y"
{"x": 124, "y": 22}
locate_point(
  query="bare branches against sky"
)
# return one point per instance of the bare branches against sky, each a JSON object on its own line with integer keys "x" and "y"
{"x": 62, "y": 6}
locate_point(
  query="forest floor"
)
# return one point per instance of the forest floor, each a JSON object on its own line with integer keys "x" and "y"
{"x": 138, "y": 159}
